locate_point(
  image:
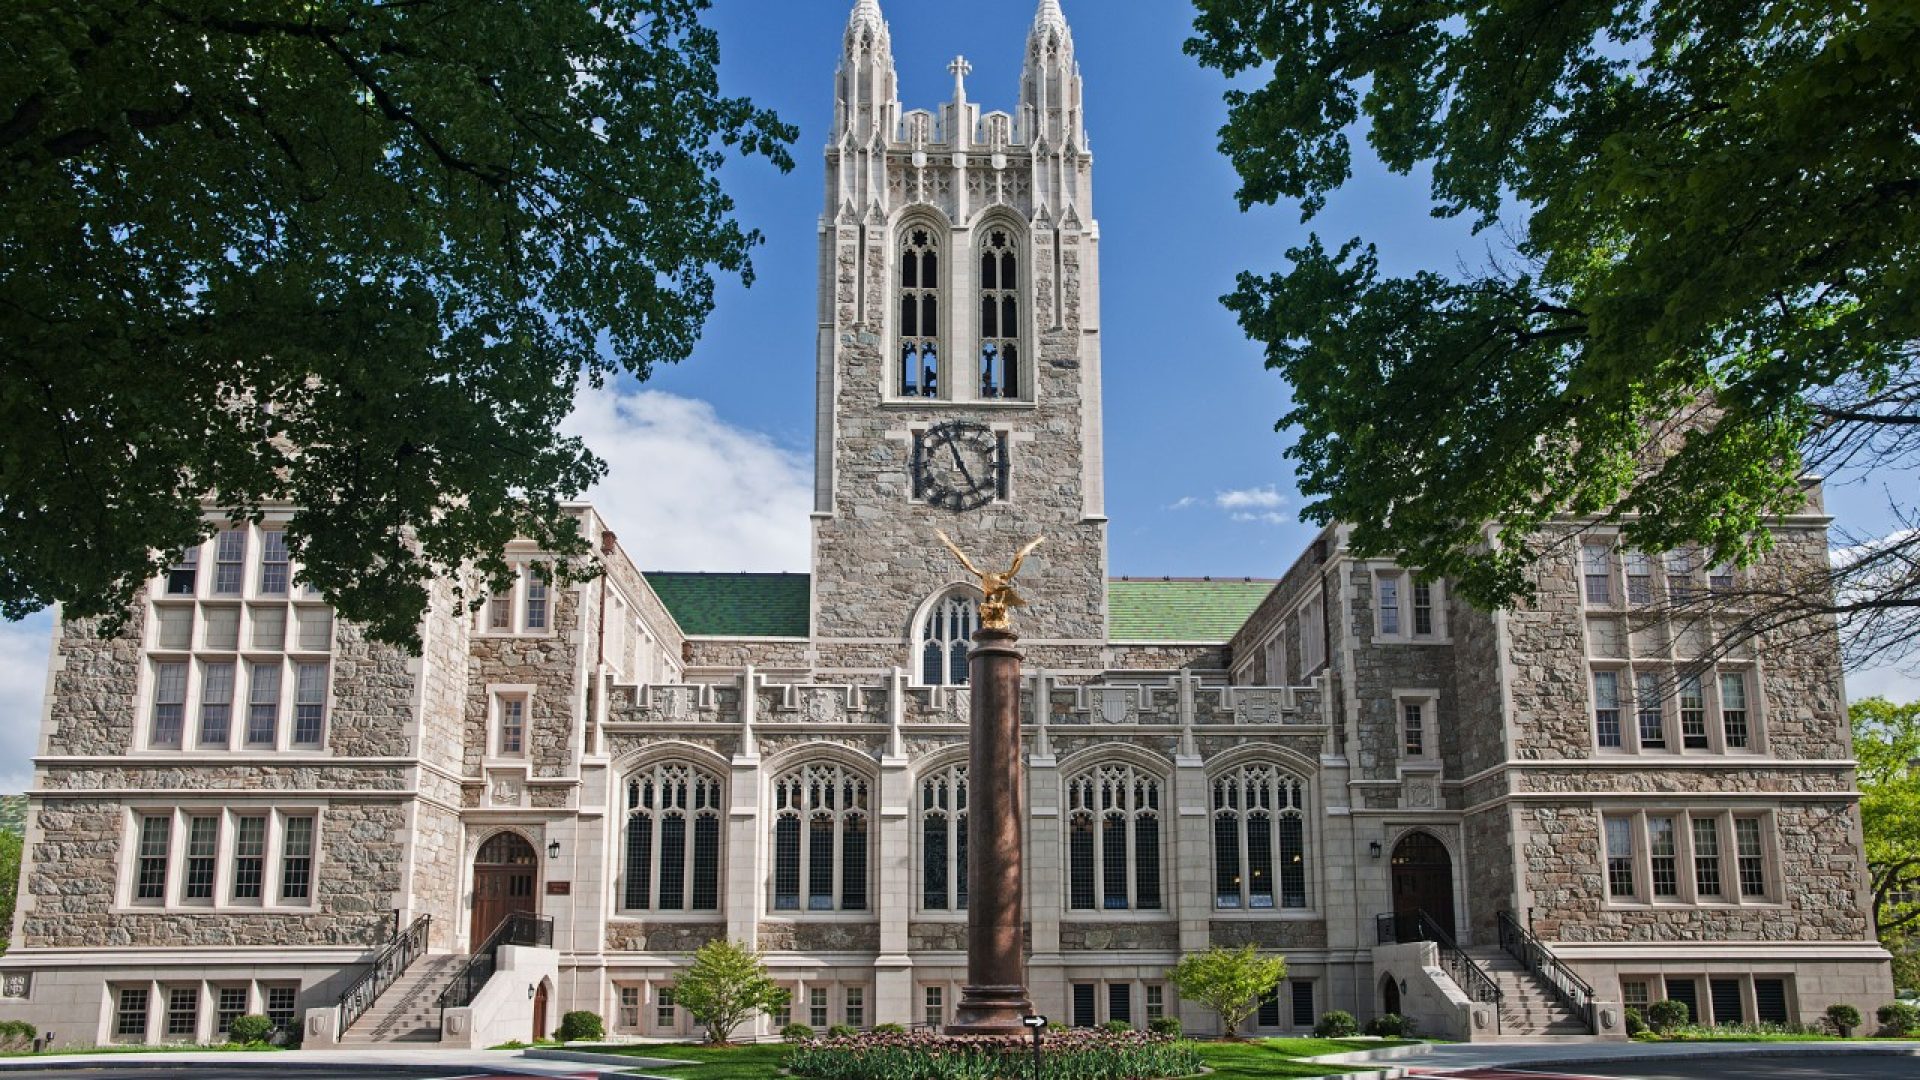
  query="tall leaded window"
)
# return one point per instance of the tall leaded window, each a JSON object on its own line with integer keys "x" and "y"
{"x": 820, "y": 836}
{"x": 945, "y": 638}
{"x": 1259, "y": 839}
{"x": 1619, "y": 857}
{"x": 999, "y": 317}
{"x": 943, "y": 840}
{"x": 919, "y": 374}
{"x": 1113, "y": 839}
{"x": 673, "y": 840}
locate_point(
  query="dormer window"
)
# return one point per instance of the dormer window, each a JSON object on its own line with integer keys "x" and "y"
{"x": 919, "y": 373}
{"x": 999, "y": 318}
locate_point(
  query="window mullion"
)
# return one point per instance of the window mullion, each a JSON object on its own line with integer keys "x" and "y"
{"x": 1242, "y": 822}
{"x": 655, "y": 818}
{"x": 839, "y": 863}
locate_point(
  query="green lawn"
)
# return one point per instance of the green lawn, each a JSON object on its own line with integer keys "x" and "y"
{"x": 1229, "y": 1061}
{"x": 1258, "y": 1058}
{"x": 754, "y": 1061}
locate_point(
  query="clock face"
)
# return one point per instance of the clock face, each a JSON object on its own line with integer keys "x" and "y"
{"x": 959, "y": 465}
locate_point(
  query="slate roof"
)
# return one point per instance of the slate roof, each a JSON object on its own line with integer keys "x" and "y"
{"x": 1143, "y": 609}
{"x": 1181, "y": 609}
{"x": 735, "y": 605}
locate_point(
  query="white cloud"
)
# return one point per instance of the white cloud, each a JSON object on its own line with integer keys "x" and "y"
{"x": 1183, "y": 502}
{"x": 1266, "y": 518}
{"x": 687, "y": 491}
{"x": 1891, "y": 683}
{"x": 1265, "y": 498}
{"x": 24, "y": 646}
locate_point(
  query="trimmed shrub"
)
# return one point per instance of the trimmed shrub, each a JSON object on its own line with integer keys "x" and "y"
{"x": 1165, "y": 1025}
{"x": 842, "y": 1031}
{"x": 1843, "y": 1017}
{"x": 1118, "y": 1027}
{"x": 889, "y": 1029}
{"x": 1080, "y": 1054}
{"x": 1664, "y": 1016}
{"x": 1336, "y": 1024}
{"x": 1391, "y": 1026}
{"x": 1899, "y": 1018}
{"x": 17, "y": 1035}
{"x": 1635, "y": 1022}
{"x": 796, "y": 1033}
{"x": 581, "y": 1026}
{"x": 251, "y": 1028}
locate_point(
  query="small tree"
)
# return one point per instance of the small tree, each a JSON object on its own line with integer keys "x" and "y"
{"x": 726, "y": 985}
{"x": 1228, "y": 981}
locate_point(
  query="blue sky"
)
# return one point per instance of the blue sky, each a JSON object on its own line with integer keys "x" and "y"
{"x": 710, "y": 460}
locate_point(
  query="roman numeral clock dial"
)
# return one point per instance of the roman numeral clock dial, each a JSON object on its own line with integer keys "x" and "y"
{"x": 959, "y": 465}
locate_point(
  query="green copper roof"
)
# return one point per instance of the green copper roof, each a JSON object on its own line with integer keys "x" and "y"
{"x": 735, "y": 605}
{"x": 1181, "y": 609}
{"x": 775, "y": 605}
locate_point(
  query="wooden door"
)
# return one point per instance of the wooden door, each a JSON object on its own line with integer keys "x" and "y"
{"x": 1423, "y": 879}
{"x": 540, "y": 1013}
{"x": 503, "y": 883}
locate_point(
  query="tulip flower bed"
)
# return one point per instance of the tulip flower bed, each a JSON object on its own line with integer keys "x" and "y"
{"x": 1080, "y": 1054}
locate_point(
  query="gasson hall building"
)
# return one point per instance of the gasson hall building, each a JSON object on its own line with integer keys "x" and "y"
{"x": 241, "y": 805}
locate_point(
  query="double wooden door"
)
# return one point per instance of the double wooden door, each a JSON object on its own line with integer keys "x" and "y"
{"x": 1423, "y": 879}
{"x": 503, "y": 883}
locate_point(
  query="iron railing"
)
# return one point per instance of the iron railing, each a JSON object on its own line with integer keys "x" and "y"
{"x": 1533, "y": 954}
{"x": 1406, "y": 927}
{"x": 519, "y": 928}
{"x": 386, "y": 969}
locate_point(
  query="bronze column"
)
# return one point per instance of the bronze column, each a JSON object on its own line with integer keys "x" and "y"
{"x": 995, "y": 997}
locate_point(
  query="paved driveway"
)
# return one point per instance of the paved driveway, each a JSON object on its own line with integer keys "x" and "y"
{"x": 196, "y": 1071}
{"x": 1811, "y": 1066}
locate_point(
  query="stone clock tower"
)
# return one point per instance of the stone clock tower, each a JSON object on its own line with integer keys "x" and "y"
{"x": 959, "y": 361}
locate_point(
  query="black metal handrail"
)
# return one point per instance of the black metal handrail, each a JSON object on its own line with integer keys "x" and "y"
{"x": 1533, "y": 954}
{"x": 1403, "y": 928}
{"x": 519, "y": 928}
{"x": 386, "y": 969}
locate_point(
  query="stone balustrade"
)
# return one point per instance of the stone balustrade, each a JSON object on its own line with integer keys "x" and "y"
{"x": 1180, "y": 701}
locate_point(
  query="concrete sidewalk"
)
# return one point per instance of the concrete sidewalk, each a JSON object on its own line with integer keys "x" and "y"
{"x": 451, "y": 1062}
{"x": 1572, "y": 1057}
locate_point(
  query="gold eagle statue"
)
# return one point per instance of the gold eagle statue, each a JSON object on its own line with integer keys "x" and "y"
{"x": 996, "y": 611}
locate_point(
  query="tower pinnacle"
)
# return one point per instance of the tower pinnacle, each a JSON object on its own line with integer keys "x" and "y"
{"x": 1050, "y": 15}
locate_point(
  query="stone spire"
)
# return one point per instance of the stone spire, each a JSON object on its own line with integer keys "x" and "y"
{"x": 1050, "y": 15}
{"x": 867, "y": 11}
{"x": 1050, "y": 83}
{"x": 864, "y": 86}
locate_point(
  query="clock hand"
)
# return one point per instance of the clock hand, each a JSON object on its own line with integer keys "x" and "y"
{"x": 954, "y": 446}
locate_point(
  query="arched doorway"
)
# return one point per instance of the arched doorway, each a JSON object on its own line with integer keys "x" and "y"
{"x": 540, "y": 1013}
{"x": 1390, "y": 995}
{"x": 1423, "y": 878}
{"x": 503, "y": 874}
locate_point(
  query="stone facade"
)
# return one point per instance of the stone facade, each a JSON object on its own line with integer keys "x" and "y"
{"x": 1424, "y": 749}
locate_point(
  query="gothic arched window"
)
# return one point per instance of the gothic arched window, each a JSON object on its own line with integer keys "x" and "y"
{"x": 1259, "y": 839}
{"x": 943, "y": 840}
{"x": 1113, "y": 839}
{"x": 919, "y": 374}
{"x": 673, "y": 840}
{"x": 945, "y": 638}
{"x": 820, "y": 837}
{"x": 999, "y": 317}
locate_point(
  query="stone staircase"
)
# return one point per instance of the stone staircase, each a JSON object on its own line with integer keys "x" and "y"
{"x": 409, "y": 1010}
{"x": 1528, "y": 1006}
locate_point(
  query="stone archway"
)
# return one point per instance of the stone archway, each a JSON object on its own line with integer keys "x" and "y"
{"x": 1389, "y": 995}
{"x": 1423, "y": 878}
{"x": 504, "y": 873}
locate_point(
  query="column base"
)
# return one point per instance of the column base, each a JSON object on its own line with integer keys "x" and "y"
{"x": 991, "y": 1010}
